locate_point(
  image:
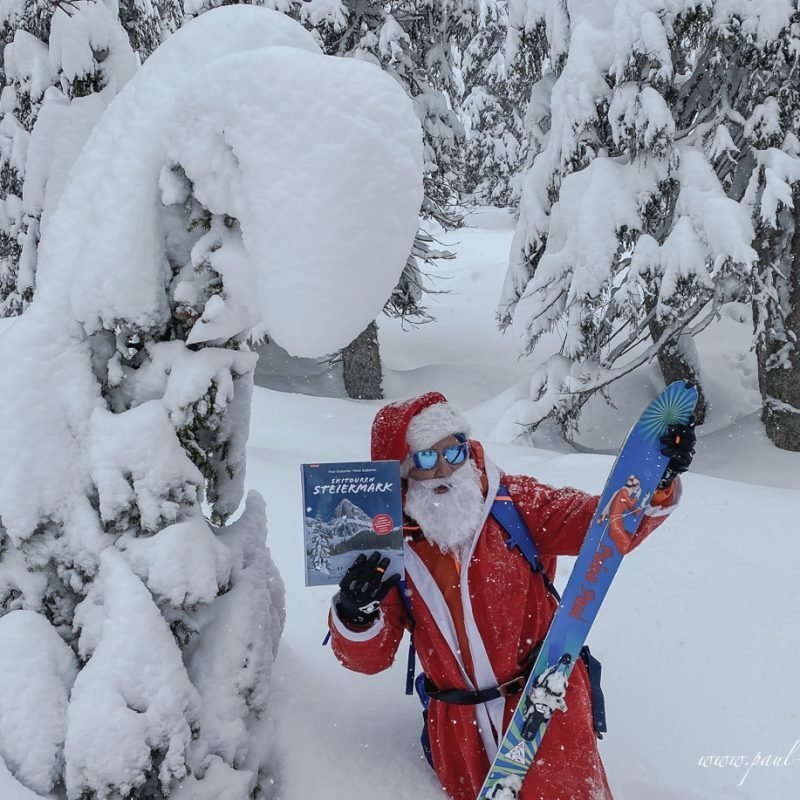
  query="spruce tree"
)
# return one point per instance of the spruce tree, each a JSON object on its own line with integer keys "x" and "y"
{"x": 492, "y": 115}
{"x": 87, "y": 77}
{"x": 320, "y": 546}
{"x": 56, "y": 58}
{"x": 131, "y": 561}
{"x": 634, "y": 230}
{"x": 142, "y": 21}
{"x": 753, "y": 83}
{"x": 26, "y": 73}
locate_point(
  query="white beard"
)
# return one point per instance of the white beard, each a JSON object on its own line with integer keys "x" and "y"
{"x": 451, "y": 519}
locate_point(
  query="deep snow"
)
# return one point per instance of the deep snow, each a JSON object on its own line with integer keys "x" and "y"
{"x": 698, "y": 637}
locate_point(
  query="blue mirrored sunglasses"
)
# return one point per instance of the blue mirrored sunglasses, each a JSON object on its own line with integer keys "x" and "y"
{"x": 454, "y": 455}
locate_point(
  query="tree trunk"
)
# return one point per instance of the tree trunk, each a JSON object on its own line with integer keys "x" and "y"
{"x": 778, "y": 325}
{"x": 362, "y": 366}
{"x": 678, "y": 361}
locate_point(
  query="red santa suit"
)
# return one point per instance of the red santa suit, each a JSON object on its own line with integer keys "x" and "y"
{"x": 476, "y": 623}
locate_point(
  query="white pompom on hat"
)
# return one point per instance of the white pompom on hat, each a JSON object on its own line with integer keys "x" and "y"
{"x": 433, "y": 424}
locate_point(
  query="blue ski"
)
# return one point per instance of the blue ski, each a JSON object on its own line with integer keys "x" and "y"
{"x": 633, "y": 479}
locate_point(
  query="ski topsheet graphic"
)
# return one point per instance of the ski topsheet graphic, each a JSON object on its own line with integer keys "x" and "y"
{"x": 633, "y": 479}
{"x": 350, "y": 508}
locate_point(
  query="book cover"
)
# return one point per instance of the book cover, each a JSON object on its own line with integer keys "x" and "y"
{"x": 350, "y": 508}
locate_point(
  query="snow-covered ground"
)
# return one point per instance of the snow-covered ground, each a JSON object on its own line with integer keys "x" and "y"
{"x": 698, "y": 637}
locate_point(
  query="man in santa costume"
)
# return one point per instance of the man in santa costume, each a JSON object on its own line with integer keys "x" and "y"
{"x": 479, "y": 610}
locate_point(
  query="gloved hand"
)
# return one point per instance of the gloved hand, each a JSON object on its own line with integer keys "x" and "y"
{"x": 361, "y": 590}
{"x": 678, "y": 443}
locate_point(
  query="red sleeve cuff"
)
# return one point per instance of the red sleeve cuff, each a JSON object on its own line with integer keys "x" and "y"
{"x": 665, "y": 496}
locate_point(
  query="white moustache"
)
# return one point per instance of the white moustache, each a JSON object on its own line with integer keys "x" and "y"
{"x": 448, "y": 519}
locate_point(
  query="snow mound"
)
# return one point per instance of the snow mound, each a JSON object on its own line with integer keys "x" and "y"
{"x": 183, "y": 563}
{"x": 132, "y": 695}
{"x": 38, "y": 671}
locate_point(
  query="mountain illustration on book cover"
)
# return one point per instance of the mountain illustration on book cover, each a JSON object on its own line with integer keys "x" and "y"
{"x": 350, "y": 508}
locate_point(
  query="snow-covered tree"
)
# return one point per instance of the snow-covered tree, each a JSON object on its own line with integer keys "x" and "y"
{"x": 320, "y": 545}
{"x": 423, "y": 53}
{"x": 62, "y": 65}
{"x": 755, "y": 84}
{"x": 124, "y": 404}
{"x": 631, "y": 234}
{"x": 149, "y": 22}
{"x": 92, "y": 60}
{"x": 492, "y": 115}
{"x": 25, "y": 76}
{"x": 63, "y": 62}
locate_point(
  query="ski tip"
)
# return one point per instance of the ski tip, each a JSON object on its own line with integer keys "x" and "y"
{"x": 690, "y": 384}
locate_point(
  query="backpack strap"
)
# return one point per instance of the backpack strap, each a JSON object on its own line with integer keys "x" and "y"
{"x": 594, "y": 670}
{"x": 508, "y": 517}
{"x": 510, "y": 520}
{"x": 411, "y": 663}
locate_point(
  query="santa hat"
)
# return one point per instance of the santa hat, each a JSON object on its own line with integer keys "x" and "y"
{"x": 415, "y": 424}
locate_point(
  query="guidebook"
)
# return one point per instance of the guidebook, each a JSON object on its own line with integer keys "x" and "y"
{"x": 350, "y": 508}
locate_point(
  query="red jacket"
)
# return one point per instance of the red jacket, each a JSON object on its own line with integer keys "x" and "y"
{"x": 475, "y": 626}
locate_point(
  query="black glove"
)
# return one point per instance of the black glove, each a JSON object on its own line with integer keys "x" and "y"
{"x": 361, "y": 590}
{"x": 678, "y": 443}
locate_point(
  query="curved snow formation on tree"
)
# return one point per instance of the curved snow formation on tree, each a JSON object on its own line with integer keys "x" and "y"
{"x": 241, "y": 179}
{"x": 326, "y": 152}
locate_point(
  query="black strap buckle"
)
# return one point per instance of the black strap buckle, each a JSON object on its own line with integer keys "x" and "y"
{"x": 514, "y": 686}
